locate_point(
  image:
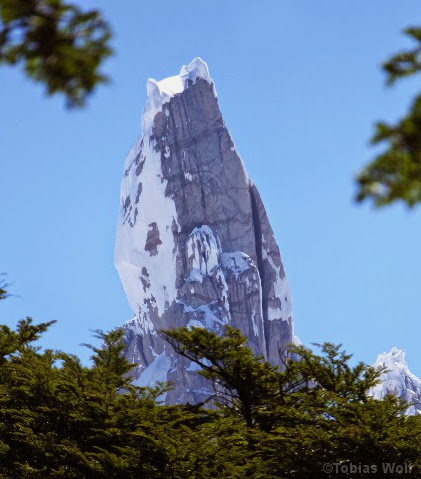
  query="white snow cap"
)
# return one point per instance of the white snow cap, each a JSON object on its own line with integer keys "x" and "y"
{"x": 160, "y": 92}
{"x": 395, "y": 356}
{"x": 398, "y": 380}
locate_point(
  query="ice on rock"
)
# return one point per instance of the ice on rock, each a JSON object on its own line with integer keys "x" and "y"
{"x": 203, "y": 250}
{"x": 282, "y": 311}
{"x": 237, "y": 262}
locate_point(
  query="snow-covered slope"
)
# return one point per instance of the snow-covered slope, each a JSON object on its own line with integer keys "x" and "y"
{"x": 194, "y": 245}
{"x": 398, "y": 380}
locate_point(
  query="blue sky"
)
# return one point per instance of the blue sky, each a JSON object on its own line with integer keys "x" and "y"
{"x": 300, "y": 89}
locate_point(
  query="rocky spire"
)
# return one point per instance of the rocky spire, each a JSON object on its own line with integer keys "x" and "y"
{"x": 194, "y": 245}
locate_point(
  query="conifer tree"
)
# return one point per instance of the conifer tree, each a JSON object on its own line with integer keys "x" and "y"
{"x": 61, "y": 419}
{"x": 58, "y": 44}
{"x": 316, "y": 411}
{"x": 395, "y": 174}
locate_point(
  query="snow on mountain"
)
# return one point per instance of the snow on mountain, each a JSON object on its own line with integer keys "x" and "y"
{"x": 160, "y": 92}
{"x": 194, "y": 245}
{"x": 398, "y": 380}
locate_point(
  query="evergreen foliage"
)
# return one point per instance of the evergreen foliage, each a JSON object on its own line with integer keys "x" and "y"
{"x": 395, "y": 174}
{"x": 315, "y": 411}
{"x": 62, "y": 419}
{"x": 3, "y": 286}
{"x": 58, "y": 44}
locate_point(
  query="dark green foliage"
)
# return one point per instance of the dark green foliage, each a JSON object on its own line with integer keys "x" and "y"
{"x": 407, "y": 62}
{"x": 292, "y": 422}
{"x": 242, "y": 380}
{"x": 396, "y": 172}
{"x": 331, "y": 372}
{"x": 57, "y": 43}
{"x": 61, "y": 419}
{"x": 3, "y": 286}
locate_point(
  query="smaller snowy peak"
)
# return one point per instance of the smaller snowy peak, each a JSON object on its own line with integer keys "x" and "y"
{"x": 160, "y": 92}
{"x": 398, "y": 380}
{"x": 395, "y": 356}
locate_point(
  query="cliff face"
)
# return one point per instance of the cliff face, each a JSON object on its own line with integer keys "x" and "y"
{"x": 194, "y": 245}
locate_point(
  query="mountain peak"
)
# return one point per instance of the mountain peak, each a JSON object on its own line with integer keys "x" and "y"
{"x": 194, "y": 245}
{"x": 398, "y": 380}
{"x": 395, "y": 355}
{"x": 160, "y": 92}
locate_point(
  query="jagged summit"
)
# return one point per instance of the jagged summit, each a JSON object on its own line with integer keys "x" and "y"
{"x": 160, "y": 92}
{"x": 194, "y": 246}
{"x": 395, "y": 356}
{"x": 170, "y": 86}
{"x": 398, "y": 380}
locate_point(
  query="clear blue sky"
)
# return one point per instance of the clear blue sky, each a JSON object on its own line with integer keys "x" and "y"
{"x": 300, "y": 88}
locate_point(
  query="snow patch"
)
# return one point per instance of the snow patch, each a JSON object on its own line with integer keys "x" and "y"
{"x": 134, "y": 325}
{"x": 254, "y": 323}
{"x": 131, "y": 258}
{"x": 237, "y": 262}
{"x": 204, "y": 317}
{"x": 203, "y": 250}
{"x": 195, "y": 276}
{"x": 193, "y": 367}
{"x": 156, "y": 372}
{"x": 220, "y": 278}
{"x": 282, "y": 290}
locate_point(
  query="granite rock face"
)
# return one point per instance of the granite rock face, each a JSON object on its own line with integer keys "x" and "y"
{"x": 194, "y": 245}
